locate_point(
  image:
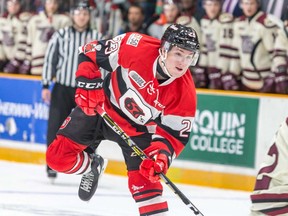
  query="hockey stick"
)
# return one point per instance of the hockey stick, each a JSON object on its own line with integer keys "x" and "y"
{"x": 143, "y": 156}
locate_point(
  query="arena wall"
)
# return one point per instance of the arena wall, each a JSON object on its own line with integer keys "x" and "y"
{"x": 230, "y": 136}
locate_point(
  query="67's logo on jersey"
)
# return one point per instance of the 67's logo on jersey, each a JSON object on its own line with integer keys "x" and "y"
{"x": 134, "y": 108}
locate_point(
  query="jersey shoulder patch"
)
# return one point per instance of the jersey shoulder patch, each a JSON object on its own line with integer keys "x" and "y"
{"x": 226, "y": 18}
{"x": 134, "y": 39}
{"x": 269, "y": 23}
{"x": 266, "y": 21}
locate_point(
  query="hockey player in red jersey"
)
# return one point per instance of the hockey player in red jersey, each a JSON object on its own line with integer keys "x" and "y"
{"x": 149, "y": 93}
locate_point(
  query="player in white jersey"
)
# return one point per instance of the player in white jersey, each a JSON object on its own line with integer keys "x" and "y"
{"x": 271, "y": 189}
{"x": 251, "y": 55}
{"x": 280, "y": 61}
{"x": 216, "y": 34}
{"x": 13, "y": 37}
{"x": 40, "y": 29}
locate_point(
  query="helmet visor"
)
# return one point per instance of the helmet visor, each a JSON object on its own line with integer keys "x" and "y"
{"x": 195, "y": 58}
{"x": 190, "y": 59}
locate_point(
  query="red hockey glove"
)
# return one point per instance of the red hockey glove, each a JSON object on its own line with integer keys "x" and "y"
{"x": 158, "y": 162}
{"x": 89, "y": 94}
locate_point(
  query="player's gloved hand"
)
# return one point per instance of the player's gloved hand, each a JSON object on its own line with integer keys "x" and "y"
{"x": 157, "y": 162}
{"x": 25, "y": 67}
{"x": 281, "y": 81}
{"x": 268, "y": 85}
{"x": 2, "y": 64}
{"x": 200, "y": 77}
{"x": 214, "y": 75}
{"x": 12, "y": 66}
{"x": 89, "y": 94}
{"x": 229, "y": 82}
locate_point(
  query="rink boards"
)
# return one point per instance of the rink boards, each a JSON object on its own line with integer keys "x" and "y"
{"x": 230, "y": 135}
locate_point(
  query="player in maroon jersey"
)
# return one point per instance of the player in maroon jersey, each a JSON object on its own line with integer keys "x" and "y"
{"x": 149, "y": 93}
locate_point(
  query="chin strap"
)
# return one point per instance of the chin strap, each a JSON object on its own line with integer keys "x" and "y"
{"x": 162, "y": 59}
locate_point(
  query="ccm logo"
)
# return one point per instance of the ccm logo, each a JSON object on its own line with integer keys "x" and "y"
{"x": 92, "y": 85}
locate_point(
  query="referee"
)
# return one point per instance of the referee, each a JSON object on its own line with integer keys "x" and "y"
{"x": 61, "y": 61}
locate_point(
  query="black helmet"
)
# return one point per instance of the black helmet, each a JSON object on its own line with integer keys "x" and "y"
{"x": 220, "y": 1}
{"x": 183, "y": 37}
{"x": 81, "y": 5}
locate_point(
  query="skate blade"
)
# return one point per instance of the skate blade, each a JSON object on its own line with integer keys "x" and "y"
{"x": 52, "y": 180}
{"x": 104, "y": 165}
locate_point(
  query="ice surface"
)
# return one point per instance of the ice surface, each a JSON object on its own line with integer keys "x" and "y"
{"x": 26, "y": 191}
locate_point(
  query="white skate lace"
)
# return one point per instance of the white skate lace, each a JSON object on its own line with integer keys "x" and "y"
{"x": 87, "y": 181}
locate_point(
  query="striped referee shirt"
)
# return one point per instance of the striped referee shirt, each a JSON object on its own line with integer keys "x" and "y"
{"x": 61, "y": 58}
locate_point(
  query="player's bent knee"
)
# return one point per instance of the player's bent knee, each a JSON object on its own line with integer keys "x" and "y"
{"x": 61, "y": 154}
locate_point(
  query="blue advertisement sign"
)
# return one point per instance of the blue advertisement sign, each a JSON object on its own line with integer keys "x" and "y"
{"x": 23, "y": 115}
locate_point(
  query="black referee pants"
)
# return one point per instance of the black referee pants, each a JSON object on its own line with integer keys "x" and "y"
{"x": 62, "y": 103}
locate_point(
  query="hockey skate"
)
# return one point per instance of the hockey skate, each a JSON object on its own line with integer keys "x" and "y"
{"x": 52, "y": 174}
{"x": 89, "y": 181}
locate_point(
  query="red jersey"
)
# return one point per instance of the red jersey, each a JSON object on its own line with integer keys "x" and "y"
{"x": 135, "y": 99}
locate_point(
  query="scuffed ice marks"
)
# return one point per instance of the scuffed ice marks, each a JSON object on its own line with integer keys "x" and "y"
{"x": 26, "y": 209}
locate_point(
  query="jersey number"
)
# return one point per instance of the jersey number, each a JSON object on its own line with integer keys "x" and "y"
{"x": 185, "y": 131}
{"x": 262, "y": 184}
{"x": 228, "y": 33}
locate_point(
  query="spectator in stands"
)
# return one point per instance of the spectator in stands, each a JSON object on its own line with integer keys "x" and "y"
{"x": 13, "y": 37}
{"x": 64, "y": 5}
{"x": 110, "y": 16}
{"x": 135, "y": 20}
{"x": 39, "y": 31}
{"x": 170, "y": 13}
{"x": 2, "y": 7}
{"x": 277, "y": 8}
{"x": 32, "y": 6}
{"x": 192, "y": 8}
{"x": 190, "y": 19}
{"x": 251, "y": 54}
{"x": 216, "y": 33}
{"x": 148, "y": 8}
{"x": 60, "y": 64}
{"x": 232, "y": 7}
{"x": 280, "y": 61}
